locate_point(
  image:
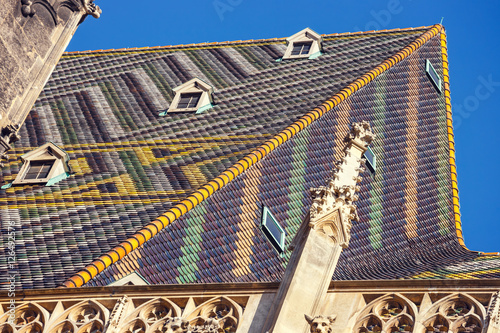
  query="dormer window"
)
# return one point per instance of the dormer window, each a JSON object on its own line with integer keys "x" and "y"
{"x": 304, "y": 44}
{"x": 192, "y": 96}
{"x": 47, "y": 164}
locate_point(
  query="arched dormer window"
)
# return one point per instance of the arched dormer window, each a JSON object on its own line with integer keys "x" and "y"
{"x": 192, "y": 96}
{"x": 45, "y": 165}
{"x": 304, "y": 44}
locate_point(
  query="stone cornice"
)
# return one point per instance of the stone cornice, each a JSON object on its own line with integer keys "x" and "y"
{"x": 376, "y": 286}
{"x": 87, "y": 7}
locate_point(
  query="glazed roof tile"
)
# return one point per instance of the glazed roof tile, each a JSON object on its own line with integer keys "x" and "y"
{"x": 131, "y": 165}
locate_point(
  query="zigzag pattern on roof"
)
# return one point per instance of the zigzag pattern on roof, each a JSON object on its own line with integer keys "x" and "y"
{"x": 403, "y": 208}
{"x": 132, "y": 165}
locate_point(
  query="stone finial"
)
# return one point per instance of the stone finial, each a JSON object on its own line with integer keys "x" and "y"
{"x": 332, "y": 209}
{"x": 361, "y": 134}
{"x": 321, "y": 324}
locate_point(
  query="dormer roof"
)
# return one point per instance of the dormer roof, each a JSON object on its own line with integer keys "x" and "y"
{"x": 304, "y": 44}
{"x": 192, "y": 96}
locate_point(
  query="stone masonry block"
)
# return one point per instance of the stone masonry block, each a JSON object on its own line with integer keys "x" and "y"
{"x": 39, "y": 35}
{"x": 8, "y": 63}
{"x": 9, "y": 7}
{"x": 18, "y": 42}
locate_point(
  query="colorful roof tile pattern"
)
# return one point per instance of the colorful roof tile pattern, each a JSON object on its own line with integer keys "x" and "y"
{"x": 131, "y": 165}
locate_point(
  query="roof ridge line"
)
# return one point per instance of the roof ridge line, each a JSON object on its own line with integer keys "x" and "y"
{"x": 151, "y": 229}
{"x": 228, "y": 43}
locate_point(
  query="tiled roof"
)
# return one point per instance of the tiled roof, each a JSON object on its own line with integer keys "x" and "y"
{"x": 132, "y": 165}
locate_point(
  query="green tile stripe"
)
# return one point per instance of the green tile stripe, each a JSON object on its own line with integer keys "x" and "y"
{"x": 136, "y": 170}
{"x": 202, "y": 65}
{"x": 68, "y": 134}
{"x": 159, "y": 82}
{"x": 376, "y": 194}
{"x": 117, "y": 106}
{"x": 191, "y": 247}
{"x": 248, "y": 55}
{"x": 296, "y": 189}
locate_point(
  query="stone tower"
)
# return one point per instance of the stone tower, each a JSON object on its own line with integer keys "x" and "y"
{"x": 33, "y": 36}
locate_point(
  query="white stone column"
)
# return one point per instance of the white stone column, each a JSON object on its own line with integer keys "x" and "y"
{"x": 319, "y": 242}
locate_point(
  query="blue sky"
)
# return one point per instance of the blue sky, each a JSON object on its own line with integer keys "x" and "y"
{"x": 472, "y": 29}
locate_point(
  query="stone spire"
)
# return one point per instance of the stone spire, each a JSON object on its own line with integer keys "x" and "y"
{"x": 319, "y": 242}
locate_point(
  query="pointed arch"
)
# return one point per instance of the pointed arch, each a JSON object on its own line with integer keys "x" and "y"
{"x": 437, "y": 323}
{"x": 81, "y": 314}
{"x": 385, "y": 313}
{"x": 6, "y": 328}
{"x": 457, "y": 305}
{"x": 136, "y": 325}
{"x": 64, "y": 327}
{"x": 368, "y": 324}
{"x": 383, "y": 304}
{"x": 218, "y": 310}
{"x": 470, "y": 323}
{"x": 25, "y": 315}
{"x": 33, "y": 327}
{"x": 94, "y": 326}
{"x": 155, "y": 311}
{"x": 401, "y": 323}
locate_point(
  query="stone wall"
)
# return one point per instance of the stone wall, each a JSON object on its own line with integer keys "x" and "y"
{"x": 33, "y": 36}
{"x": 350, "y": 307}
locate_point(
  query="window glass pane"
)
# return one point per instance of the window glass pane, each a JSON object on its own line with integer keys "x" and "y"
{"x": 33, "y": 172}
{"x": 301, "y": 48}
{"x": 44, "y": 172}
{"x": 273, "y": 230}
{"x": 306, "y": 48}
{"x": 272, "y": 226}
{"x": 371, "y": 160}
{"x": 296, "y": 48}
{"x": 189, "y": 100}
{"x": 184, "y": 101}
{"x": 194, "y": 101}
{"x": 431, "y": 72}
{"x": 39, "y": 169}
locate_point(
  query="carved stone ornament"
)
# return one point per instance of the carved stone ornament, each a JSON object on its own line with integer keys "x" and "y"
{"x": 87, "y": 6}
{"x": 494, "y": 311}
{"x": 92, "y": 8}
{"x": 117, "y": 314}
{"x": 361, "y": 134}
{"x": 321, "y": 324}
{"x": 332, "y": 209}
{"x": 175, "y": 325}
{"x": 8, "y": 135}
